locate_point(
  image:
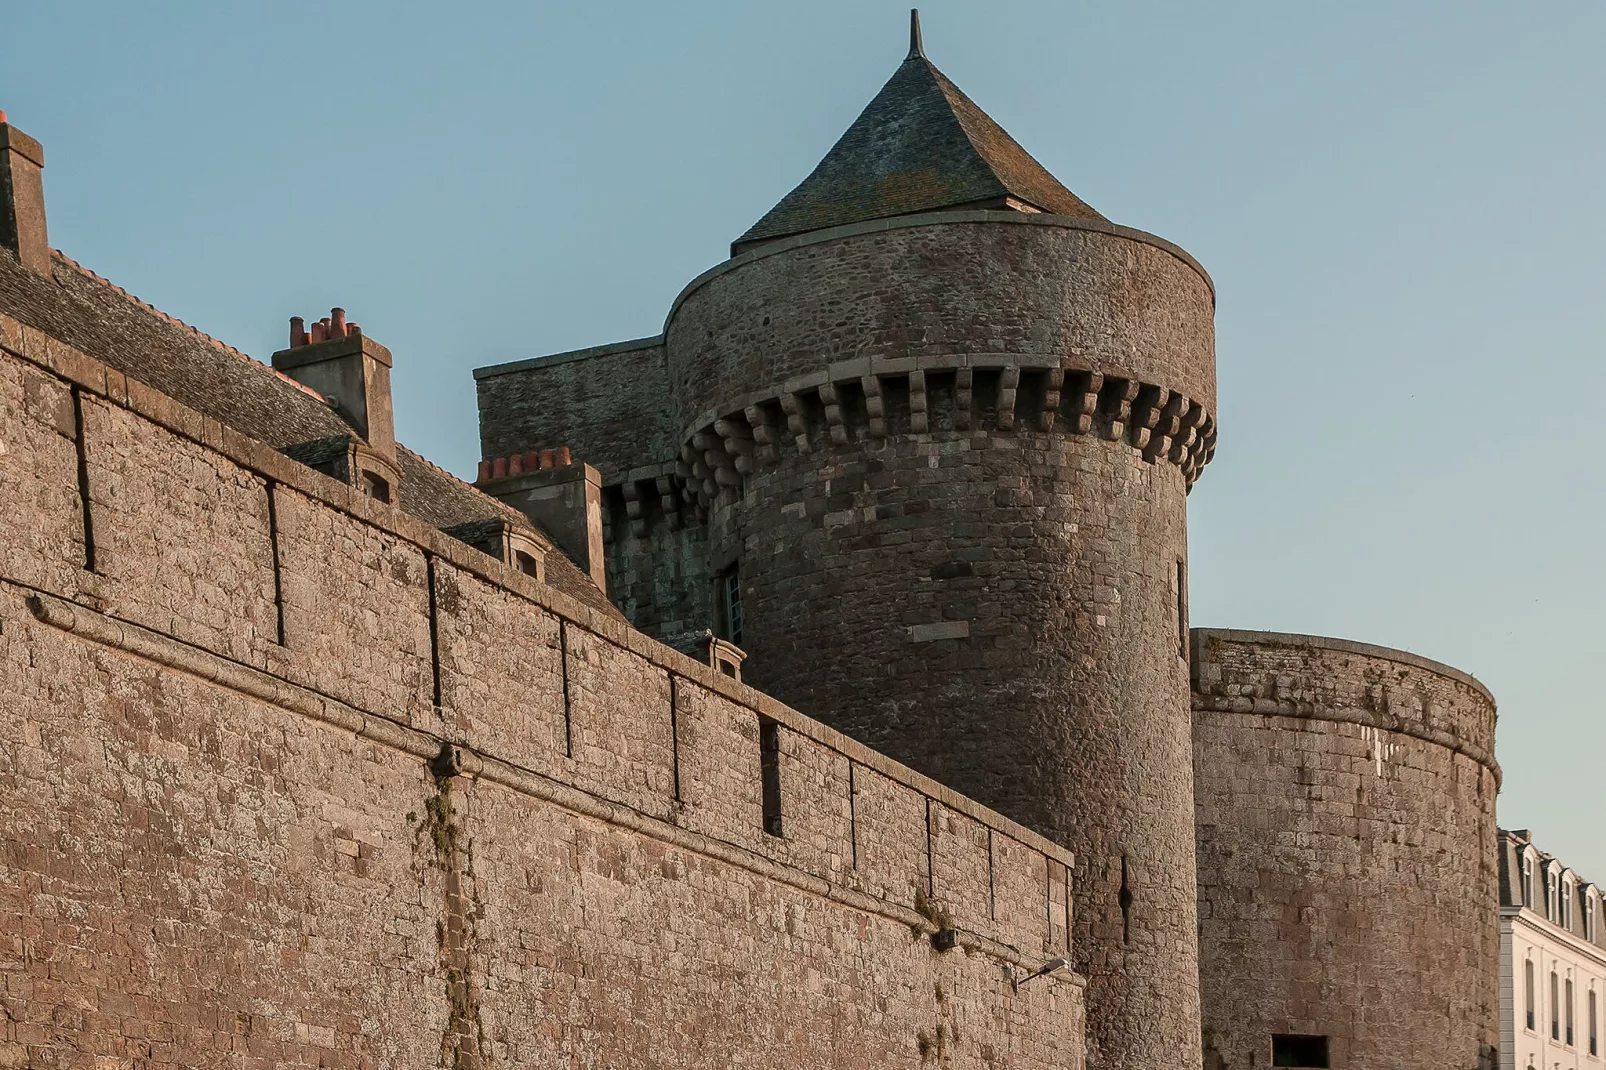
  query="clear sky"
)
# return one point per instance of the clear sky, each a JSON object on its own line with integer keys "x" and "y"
{"x": 1401, "y": 205}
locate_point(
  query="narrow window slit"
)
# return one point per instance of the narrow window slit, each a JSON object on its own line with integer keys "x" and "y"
{"x": 992, "y": 887}
{"x": 931, "y": 875}
{"x": 434, "y": 631}
{"x": 674, "y": 732}
{"x": 853, "y": 817}
{"x": 273, "y": 549}
{"x": 568, "y": 705}
{"x": 769, "y": 754}
{"x": 81, "y": 447}
{"x": 1126, "y": 906}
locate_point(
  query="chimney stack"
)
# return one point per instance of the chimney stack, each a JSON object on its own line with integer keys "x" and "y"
{"x": 334, "y": 358}
{"x": 563, "y": 496}
{"x": 22, "y": 198}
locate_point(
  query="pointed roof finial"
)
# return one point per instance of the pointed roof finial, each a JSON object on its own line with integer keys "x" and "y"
{"x": 915, "y": 46}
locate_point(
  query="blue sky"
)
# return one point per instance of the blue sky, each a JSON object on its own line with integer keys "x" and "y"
{"x": 1401, "y": 205}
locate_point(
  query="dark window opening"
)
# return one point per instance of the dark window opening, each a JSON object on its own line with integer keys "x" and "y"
{"x": 1555, "y": 1006}
{"x": 1594, "y": 1027}
{"x": 769, "y": 754}
{"x": 1569, "y": 1012}
{"x": 1292, "y": 1049}
{"x": 729, "y": 596}
{"x": 376, "y": 487}
{"x": 526, "y": 563}
{"x": 1528, "y": 991}
{"x": 728, "y": 668}
{"x": 1182, "y": 610}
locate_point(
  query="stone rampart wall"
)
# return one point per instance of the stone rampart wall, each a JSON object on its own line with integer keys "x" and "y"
{"x": 292, "y": 779}
{"x": 1347, "y": 867}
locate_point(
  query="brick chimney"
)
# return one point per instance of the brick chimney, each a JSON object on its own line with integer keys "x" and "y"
{"x": 563, "y": 496}
{"x": 22, "y": 198}
{"x": 338, "y": 361}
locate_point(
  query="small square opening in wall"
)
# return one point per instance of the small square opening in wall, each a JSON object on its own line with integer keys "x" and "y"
{"x": 1299, "y": 1049}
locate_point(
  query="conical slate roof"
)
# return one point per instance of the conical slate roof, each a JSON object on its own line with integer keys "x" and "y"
{"x": 920, "y": 145}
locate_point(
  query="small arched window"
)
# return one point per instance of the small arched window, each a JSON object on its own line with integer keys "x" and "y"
{"x": 1528, "y": 881}
{"x": 526, "y": 563}
{"x": 1565, "y": 920}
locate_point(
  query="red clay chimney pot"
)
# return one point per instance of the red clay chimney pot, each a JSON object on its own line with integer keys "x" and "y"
{"x": 485, "y": 472}
{"x": 499, "y": 468}
{"x": 546, "y": 458}
{"x": 561, "y": 457}
{"x": 515, "y": 464}
{"x": 337, "y": 323}
{"x": 298, "y": 332}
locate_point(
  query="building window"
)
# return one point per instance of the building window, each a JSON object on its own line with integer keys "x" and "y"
{"x": 526, "y": 563}
{"x": 1594, "y": 1025}
{"x": 729, "y": 595}
{"x": 1528, "y": 992}
{"x": 376, "y": 487}
{"x": 1566, "y": 919}
{"x": 1299, "y": 1050}
{"x": 1528, "y": 881}
{"x": 1589, "y": 916}
{"x": 1555, "y": 1006}
{"x": 1569, "y": 1012}
{"x": 1552, "y": 896}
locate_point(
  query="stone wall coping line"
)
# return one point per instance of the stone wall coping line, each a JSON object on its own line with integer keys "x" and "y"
{"x": 1330, "y": 715}
{"x": 148, "y": 645}
{"x": 568, "y": 356}
{"x": 931, "y": 219}
{"x": 1348, "y": 646}
{"x": 53, "y": 356}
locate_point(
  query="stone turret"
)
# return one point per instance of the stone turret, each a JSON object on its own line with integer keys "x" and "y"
{"x": 926, "y": 441}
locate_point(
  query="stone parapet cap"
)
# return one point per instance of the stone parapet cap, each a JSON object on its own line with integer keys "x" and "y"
{"x": 15, "y": 140}
{"x": 568, "y": 356}
{"x": 938, "y": 219}
{"x": 1347, "y": 646}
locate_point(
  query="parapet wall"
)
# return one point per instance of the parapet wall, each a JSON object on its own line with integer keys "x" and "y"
{"x": 294, "y": 779}
{"x": 1345, "y": 801}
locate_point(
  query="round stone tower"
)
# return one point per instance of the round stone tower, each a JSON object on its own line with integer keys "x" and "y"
{"x": 1348, "y": 905}
{"x": 942, "y": 418}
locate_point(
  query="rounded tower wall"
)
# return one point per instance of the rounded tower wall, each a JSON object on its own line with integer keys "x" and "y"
{"x": 1345, "y": 801}
{"x": 952, "y": 473}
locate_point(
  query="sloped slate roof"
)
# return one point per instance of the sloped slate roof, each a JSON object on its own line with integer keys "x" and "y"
{"x": 920, "y": 145}
{"x": 101, "y": 319}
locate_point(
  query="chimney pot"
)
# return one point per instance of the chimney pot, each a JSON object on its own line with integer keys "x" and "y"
{"x": 484, "y": 473}
{"x": 560, "y": 457}
{"x": 532, "y": 461}
{"x": 298, "y": 332}
{"x": 515, "y": 464}
{"x": 499, "y": 468}
{"x": 546, "y": 458}
{"x": 353, "y": 331}
{"x": 337, "y": 323}
{"x": 2, "y": 116}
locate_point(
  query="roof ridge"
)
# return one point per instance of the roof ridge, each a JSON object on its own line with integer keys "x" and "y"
{"x": 176, "y": 322}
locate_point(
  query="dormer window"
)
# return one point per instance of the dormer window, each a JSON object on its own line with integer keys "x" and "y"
{"x": 1552, "y": 894}
{"x": 526, "y": 564}
{"x": 1565, "y": 918}
{"x": 1528, "y": 899}
{"x": 376, "y": 487}
{"x": 1591, "y": 915}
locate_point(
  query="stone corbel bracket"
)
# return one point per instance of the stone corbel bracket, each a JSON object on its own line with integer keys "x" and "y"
{"x": 872, "y": 398}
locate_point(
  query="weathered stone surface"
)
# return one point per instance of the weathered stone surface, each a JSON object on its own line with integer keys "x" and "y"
{"x": 1347, "y": 881}
{"x": 219, "y": 850}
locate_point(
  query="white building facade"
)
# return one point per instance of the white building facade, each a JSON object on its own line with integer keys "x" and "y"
{"x": 1552, "y": 962}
